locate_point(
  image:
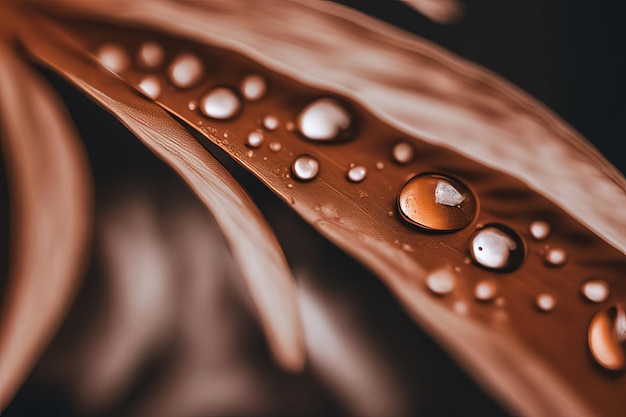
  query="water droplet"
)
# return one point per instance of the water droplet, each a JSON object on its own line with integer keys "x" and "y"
{"x": 545, "y": 302}
{"x": 499, "y": 301}
{"x": 275, "y": 146}
{"x": 607, "y": 338}
{"x": 486, "y": 290}
{"x": 150, "y": 55}
{"x": 595, "y": 290}
{"x": 192, "y": 105}
{"x": 253, "y": 87}
{"x": 290, "y": 126}
{"x": 255, "y": 139}
{"x": 403, "y": 152}
{"x": 421, "y": 204}
{"x": 497, "y": 247}
{"x": 113, "y": 57}
{"x": 220, "y": 103}
{"x": 357, "y": 173}
{"x": 460, "y": 307}
{"x": 324, "y": 119}
{"x": 250, "y": 154}
{"x": 539, "y": 230}
{"x": 270, "y": 122}
{"x": 555, "y": 257}
{"x": 305, "y": 167}
{"x": 150, "y": 86}
{"x": 380, "y": 166}
{"x": 440, "y": 282}
{"x": 186, "y": 70}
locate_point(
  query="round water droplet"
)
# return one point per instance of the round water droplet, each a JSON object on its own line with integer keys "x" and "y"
{"x": 545, "y": 302}
{"x": 150, "y": 86}
{"x": 440, "y": 282}
{"x": 150, "y": 55}
{"x": 539, "y": 230}
{"x": 253, "y": 87}
{"x": 255, "y": 139}
{"x": 555, "y": 257}
{"x": 497, "y": 247}
{"x": 324, "y": 119}
{"x": 270, "y": 122}
{"x": 486, "y": 290}
{"x": 403, "y": 152}
{"x": 192, "y": 105}
{"x": 113, "y": 57}
{"x": 220, "y": 103}
{"x": 357, "y": 173}
{"x": 607, "y": 338}
{"x": 186, "y": 70}
{"x": 305, "y": 167}
{"x": 380, "y": 166}
{"x": 437, "y": 202}
{"x": 275, "y": 146}
{"x": 595, "y": 290}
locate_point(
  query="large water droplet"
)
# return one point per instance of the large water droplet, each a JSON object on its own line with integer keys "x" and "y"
{"x": 113, "y": 57}
{"x": 555, "y": 257}
{"x": 486, "y": 290}
{"x": 305, "y": 167}
{"x": 186, "y": 70}
{"x": 497, "y": 247}
{"x": 539, "y": 230}
{"x": 545, "y": 302}
{"x": 607, "y": 339}
{"x": 150, "y": 86}
{"x": 324, "y": 119}
{"x": 440, "y": 282}
{"x": 356, "y": 173}
{"x": 150, "y": 55}
{"x": 403, "y": 152}
{"x": 595, "y": 290}
{"x": 426, "y": 200}
{"x": 220, "y": 103}
{"x": 255, "y": 139}
{"x": 253, "y": 87}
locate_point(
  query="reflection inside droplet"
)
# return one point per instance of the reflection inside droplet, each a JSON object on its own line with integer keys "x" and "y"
{"x": 186, "y": 70}
{"x": 497, "y": 247}
{"x": 324, "y": 119}
{"x": 305, "y": 167}
{"x": 605, "y": 338}
{"x": 420, "y": 202}
{"x": 220, "y": 103}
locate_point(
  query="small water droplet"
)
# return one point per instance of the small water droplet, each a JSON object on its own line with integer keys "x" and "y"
{"x": 440, "y": 282}
{"x": 545, "y": 302}
{"x": 486, "y": 290}
{"x": 390, "y": 213}
{"x": 595, "y": 290}
{"x": 324, "y": 119}
{"x": 253, "y": 87}
{"x": 150, "y": 86}
{"x": 497, "y": 247}
{"x": 250, "y": 154}
{"x": 192, "y": 105}
{"x": 499, "y": 301}
{"x": 186, "y": 70}
{"x": 539, "y": 230}
{"x": 406, "y": 247}
{"x": 457, "y": 269}
{"x": 113, "y": 57}
{"x": 403, "y": 152}
{"x": 460, "y": 307}
{"x": 220, "y": 103}
{"x": 275, "y": 146}
{"x": 380, "y": 166}
{"x": 270, "y": 122}
{"x": 150, "y": 55}
{"x": 305, "y": 167}
{"x": 255, "y": 139}
{"x": 421, "y": 204}
{"x": 357, "y": 173}
{"x": 555, "y": 257}
{"x": 290, "y": 126}
{"x": 607, "y": 339}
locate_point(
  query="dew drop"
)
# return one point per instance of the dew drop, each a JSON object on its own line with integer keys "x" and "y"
{"x": 357, "y": 173}
{"x": 460, "y": 307}
{"x": 539, "y": 230}
{"x": 113, "y": 57}
{"x": 380, "y": 166}
{"x": 305, "y": 167}
{"x": 220, "y": 103}
{"x": 545, "y": 302}
{"x": 421, "y": 204}
{"x": 595, "y": 290}
{"x": 186, "y": 70}
{"x": 150, "y": 55}
{"x": 192, "y": 105}
{"x": 324, "y": 119}
{"x": 255, "y": 139}
{"x": 275, "y": 146}
{"x": 497, "y": 247}
{"x": 403, "y": 152}
{"x": 607, "y": 338}
{"x": 555, "y": 257}
{"x": 253, "y": 87}
{"x": 499, "y": 301}
{"x": 440, "y": 282}
{"x": 250, "y": 154}
{"x": 150, "y": 86}
{"x": 486, "y": 290}
{"x": 270, "y": 122}
{"x": 290, "y": 126}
